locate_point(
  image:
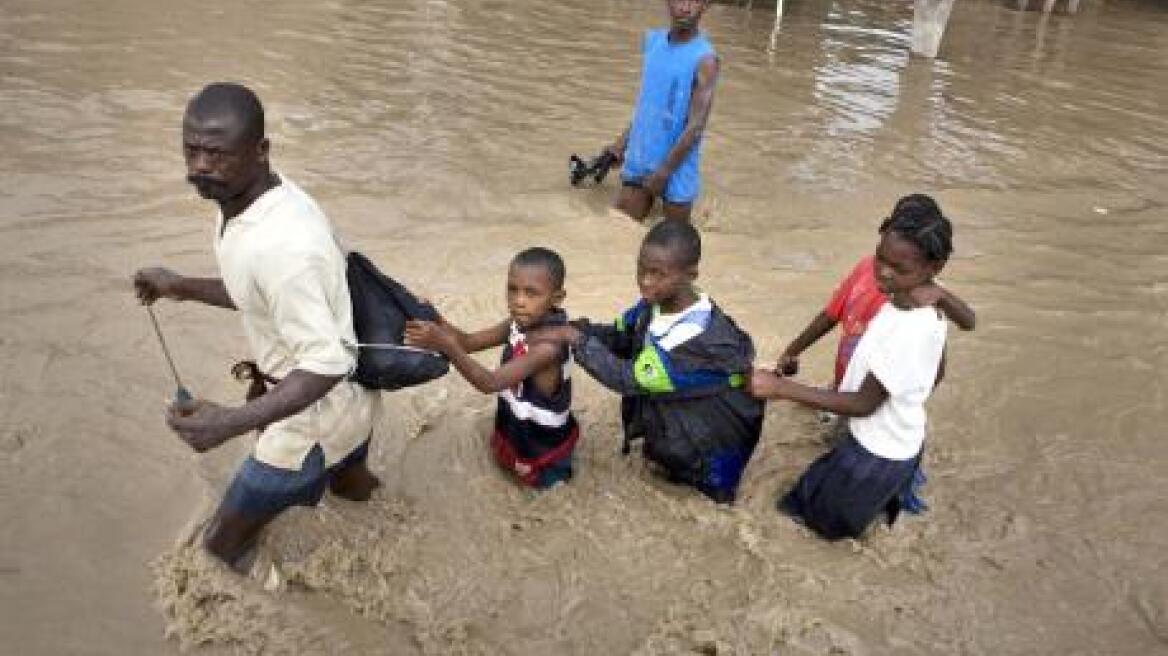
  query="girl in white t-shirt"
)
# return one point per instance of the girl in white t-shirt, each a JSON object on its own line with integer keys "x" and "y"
{"x": 896, "y": 365}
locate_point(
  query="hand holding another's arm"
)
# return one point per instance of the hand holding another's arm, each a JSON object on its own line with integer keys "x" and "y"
{"x": 788, "y": 362}
{"x": 932, "y": 294}
{"x": 605, "y": 365}
{"x": 431, "y": 335}
{"x": 763, "y": 384}
{"x": 565, "y": 335}
{"x": 956, "y": 309}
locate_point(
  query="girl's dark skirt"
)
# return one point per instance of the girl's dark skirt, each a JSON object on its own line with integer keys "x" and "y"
{"x": 842, "y": 492}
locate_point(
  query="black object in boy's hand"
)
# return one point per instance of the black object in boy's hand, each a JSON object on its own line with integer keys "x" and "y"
{"x": 596, "y": 168}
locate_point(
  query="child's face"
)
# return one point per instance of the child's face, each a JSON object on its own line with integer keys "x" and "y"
{"x": 660, "y": 277}
{"x": 685, "y": 14}
{"x": 900, "y": 266}
{"x": 531, "y": 293}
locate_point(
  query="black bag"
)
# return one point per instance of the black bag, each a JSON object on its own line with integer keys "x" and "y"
{"x": 381, "y": 308}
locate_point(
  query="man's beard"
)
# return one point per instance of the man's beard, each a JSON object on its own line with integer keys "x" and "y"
{"x": 209, "y": 187}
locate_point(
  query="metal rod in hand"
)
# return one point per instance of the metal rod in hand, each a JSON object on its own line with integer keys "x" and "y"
{"x": 182, "y": 395}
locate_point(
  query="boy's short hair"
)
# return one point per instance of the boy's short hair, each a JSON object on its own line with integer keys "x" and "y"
{"x": 677, "y": 236}
{"x": 546, "y": 258}
{"x": 918, "y": 219}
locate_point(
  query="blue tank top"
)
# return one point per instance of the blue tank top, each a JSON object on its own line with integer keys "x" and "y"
{"x": 668, "y": 72}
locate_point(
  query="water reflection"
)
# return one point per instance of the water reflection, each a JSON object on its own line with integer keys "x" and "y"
{"x": 1006, "y": 82}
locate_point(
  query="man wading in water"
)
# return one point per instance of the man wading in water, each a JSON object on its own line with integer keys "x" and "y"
{"x": 283, "y": 270}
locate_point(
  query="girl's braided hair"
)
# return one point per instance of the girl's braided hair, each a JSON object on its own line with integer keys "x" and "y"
{"x": 918, "y": 219}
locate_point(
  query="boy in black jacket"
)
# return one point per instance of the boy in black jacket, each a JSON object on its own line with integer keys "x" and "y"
{"x": 678, "y": 362}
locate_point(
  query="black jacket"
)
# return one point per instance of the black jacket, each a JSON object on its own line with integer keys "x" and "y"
{"x": 705, "y": 418}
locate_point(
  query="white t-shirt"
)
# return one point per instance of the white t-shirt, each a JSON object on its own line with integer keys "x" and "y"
{"x": 902, "y": 349}
{"x": 285, "y": 271}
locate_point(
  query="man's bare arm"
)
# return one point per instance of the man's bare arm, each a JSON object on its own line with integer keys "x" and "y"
{"x": 211, "y": 291}
{"x": 154, "y": 283}
{"x": 205, "y": 425}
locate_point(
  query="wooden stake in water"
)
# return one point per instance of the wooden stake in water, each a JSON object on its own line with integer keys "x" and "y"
{"x": 181, "y": 396}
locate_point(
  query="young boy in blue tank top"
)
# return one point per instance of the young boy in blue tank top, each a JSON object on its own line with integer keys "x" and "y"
{"x": 661, "y": 148}
{"x": 535, "y": 432}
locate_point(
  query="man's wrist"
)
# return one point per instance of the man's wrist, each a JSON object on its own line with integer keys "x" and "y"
{"x": 180, "y": 291}
{"x": 239, "y": 421}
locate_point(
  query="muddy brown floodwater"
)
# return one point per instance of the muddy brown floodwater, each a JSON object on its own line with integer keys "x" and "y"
{"x": 435, "y": 134}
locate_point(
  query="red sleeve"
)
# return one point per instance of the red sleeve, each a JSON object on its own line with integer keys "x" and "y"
{"x": 839, "y": 299}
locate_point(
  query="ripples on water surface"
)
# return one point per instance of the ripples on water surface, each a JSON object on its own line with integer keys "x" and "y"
{"x": 435, "y": 133}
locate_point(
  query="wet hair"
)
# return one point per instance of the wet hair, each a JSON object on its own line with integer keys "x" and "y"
{"x": 232, "y": 99}
{"x": 918, "y": 219}
{"x": 680, "y": 237}
{"x": 546, "y": 258}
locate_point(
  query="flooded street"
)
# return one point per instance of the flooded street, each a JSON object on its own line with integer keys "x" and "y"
{"x": 435, "y": 134}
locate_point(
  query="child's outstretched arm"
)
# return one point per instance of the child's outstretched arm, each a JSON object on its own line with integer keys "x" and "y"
{"x": 445, "y": 340}
{"x": 480, "y": 340}
{"x": 763, "y": 384}
{"x": 819, "y": 326}
{"x": 954, "y": 309}
{"x": 605, "y": 366}
{"x": 595, "y": 356}
{"x": 615, "y": 337}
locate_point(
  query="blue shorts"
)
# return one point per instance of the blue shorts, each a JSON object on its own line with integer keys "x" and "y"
{"x": 259, "y": 489}
{"x": 669, "y": 195}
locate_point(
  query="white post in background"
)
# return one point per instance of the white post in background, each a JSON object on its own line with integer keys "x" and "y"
{"x": 929, "y": 19}
{"x": 1048, "y": 6}
{"x": 778, "y": 26}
